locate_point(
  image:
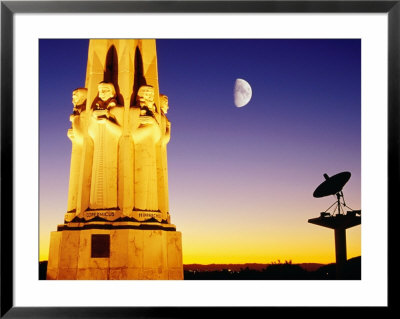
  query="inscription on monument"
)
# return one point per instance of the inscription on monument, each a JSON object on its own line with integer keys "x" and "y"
{"x": 106, "y": 214}
{"x": 100, "y": 214}
{"x": 149, "y": 215}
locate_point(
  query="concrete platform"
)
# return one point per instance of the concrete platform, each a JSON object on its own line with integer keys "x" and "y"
{"x": 338, "y": 221}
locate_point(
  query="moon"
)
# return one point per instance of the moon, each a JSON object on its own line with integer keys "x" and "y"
{"x": 242, "y": 92}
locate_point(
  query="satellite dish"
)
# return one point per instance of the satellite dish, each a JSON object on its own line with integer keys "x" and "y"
{"x": 332, "y": 185}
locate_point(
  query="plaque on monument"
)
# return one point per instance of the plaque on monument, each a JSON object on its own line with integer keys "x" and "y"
{"x": 100, "y": 246}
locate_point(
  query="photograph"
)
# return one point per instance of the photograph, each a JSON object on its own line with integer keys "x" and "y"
{"x": 200, "y": 159}
{"x": 172, "y": 158}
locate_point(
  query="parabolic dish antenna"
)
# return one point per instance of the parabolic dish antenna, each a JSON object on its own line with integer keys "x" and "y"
{"x": 332, "y": 185}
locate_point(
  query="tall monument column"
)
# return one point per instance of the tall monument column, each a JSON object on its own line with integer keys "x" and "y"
{"x": 117, "y": 224}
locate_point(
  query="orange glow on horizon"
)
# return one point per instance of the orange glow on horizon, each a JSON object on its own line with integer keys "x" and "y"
{"x": 317, "y": 247}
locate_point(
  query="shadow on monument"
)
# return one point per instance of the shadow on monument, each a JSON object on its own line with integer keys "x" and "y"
{"x": 139, "y": 80}
{"x": 111, "y": 72}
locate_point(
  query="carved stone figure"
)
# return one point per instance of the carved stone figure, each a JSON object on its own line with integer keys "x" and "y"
{"x": 145, "y": 99}
{"x": 162, "y": 158}
{"x": 79, "y": 100}
{"x": 105, "y": 130}
{"x": 164, "y": 103}
{"x": 107, "y": 96}
{"x": 75, "y": 134}
{"x": 145, "y": 136}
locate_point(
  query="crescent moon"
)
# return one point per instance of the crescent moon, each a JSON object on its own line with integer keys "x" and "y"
{"x": 242, "y": 92}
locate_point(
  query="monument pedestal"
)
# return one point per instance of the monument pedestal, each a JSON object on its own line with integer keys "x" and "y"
{"x": 115, "y": 253}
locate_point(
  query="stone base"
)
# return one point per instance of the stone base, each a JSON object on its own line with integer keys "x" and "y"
{"x": 125, "y": 254}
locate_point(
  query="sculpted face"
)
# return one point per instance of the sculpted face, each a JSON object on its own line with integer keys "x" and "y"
{"x": 164, "y": 103}
{"x": 79, "y": 96}
{"x": 145, "y": 97}
{"x": 106, "y": 91}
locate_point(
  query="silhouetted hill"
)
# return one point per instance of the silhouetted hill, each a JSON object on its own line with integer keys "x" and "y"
{"x": 274, "y": 271}
{"x": 42, "y": 270}
{"x": 352, "y": 270}
{"x": 310, "y": 266}
{"x": 216, "y": 267}
{"x": 254, "y": 271}
{"x": 238, "y": 267}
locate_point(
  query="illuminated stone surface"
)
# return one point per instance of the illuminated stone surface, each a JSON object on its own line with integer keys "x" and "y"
{"x": 118, "y": 172}
{"x": 134, "y": 254}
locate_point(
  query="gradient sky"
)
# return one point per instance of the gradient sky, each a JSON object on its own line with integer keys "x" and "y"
{"x": 240, "y": 179}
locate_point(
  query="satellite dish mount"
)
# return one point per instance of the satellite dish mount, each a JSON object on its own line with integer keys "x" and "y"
{"x": 338, "y": 222}
{"x": 333, "y": 186}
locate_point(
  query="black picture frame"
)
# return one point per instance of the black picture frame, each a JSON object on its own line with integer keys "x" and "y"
{"x": 9, "y": 8}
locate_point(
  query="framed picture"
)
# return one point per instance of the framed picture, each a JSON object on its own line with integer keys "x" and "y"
{"x": 372, "y": 26}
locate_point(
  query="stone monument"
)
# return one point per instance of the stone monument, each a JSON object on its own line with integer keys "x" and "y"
{"x": 117, "y": 224}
